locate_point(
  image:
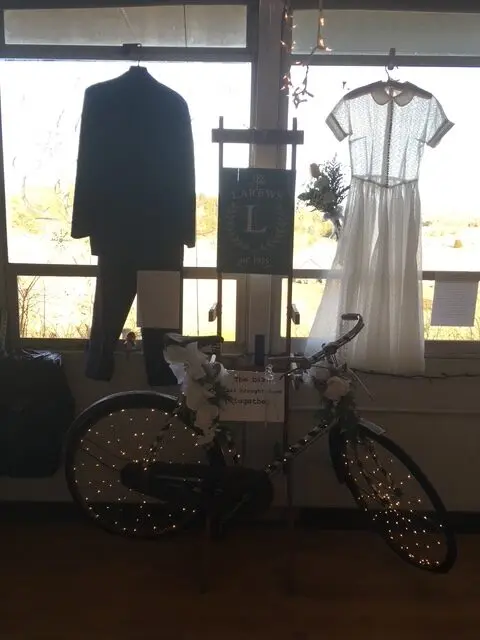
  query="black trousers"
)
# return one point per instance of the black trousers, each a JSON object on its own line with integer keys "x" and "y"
{"x": 114, "y": 294}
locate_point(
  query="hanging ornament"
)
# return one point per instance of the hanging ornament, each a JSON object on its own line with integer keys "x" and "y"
{"x": 130, "y": 343}
{"x": 287, "y": 43}
{"x": 300, "y": 93}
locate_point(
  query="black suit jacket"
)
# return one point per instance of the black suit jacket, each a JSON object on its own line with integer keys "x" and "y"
{"x": 135, "y": 183}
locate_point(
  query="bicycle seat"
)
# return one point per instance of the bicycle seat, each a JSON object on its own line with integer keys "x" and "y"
{"x": 202, "y": 341}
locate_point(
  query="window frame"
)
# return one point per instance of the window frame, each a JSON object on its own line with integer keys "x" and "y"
{"x": 11, "y": 270}
{"x": 259, "y": 303}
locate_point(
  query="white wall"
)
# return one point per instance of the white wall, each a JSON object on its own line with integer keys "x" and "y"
{"x": 438, "y": 423}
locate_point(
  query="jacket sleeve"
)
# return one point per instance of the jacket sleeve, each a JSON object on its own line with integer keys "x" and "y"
{"x": 185, "y": 171}
{"x": 82, "y": 202}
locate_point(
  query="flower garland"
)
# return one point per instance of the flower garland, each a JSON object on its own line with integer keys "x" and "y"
{"x": 203, "y": 385}
{"x": 326, "y": 191}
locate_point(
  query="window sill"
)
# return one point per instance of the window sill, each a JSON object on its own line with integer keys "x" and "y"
{"x": 442, "y": 349}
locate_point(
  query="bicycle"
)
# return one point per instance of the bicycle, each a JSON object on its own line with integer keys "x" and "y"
{"x": 158, "y": 495}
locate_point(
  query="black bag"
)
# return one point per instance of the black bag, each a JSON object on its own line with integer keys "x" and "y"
{"x": 36, "y": 409}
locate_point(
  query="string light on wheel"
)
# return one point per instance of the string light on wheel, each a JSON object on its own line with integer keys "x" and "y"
{"x": 401, "y": 526}
{"x": 101, "y": 486}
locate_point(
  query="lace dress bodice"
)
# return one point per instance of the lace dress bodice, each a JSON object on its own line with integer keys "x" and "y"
{"x": 388, "y": 130}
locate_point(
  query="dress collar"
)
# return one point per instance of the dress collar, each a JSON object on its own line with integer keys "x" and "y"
{"x": 380, "y": 95}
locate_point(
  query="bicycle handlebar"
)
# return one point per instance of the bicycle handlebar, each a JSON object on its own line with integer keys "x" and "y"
{"x": 330, "y": 349}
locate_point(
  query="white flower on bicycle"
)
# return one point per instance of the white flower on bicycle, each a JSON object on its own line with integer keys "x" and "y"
{"x": 190, "y": 356}
{"x": 206, "y": 415}
{"x": 196, "y": 395}
{"x": 205, "y": 420}
{"x": 336, "y": 388}
{"x": 198, "y": 385}
{"x": 175, "y": 354}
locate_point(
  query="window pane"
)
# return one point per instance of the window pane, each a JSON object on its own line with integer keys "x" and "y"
{"x": 41, "y": 109}
{"x": 411, "y": 32}
{"x": 198, "y": 297}
{"x": 450, "y": 201}
{"x": 167, "y": 26}
{"x": 55, "y": 307}
{"x": 307, "y": 294}
{"x": 216, "y": 26}
{"x": 61, "y": 307}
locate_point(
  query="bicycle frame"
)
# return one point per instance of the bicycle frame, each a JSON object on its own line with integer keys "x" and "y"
{"x": 336, "y": 420}
{"x": 339, "y": 416}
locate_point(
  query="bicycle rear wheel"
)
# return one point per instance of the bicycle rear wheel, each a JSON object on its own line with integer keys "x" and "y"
{"x": 106, "y": 456}
{"x": 402, "y": 503}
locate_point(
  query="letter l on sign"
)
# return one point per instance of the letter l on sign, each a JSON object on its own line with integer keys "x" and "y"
{"x": 250, "y": 220}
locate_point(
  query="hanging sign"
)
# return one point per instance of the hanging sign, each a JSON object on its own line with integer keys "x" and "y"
{"x": 256, "y": 211}
{"x": 253, "y": 398}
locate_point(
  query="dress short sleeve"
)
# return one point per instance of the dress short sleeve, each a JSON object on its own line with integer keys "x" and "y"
{"x": 339, "y": 120}
{"x": 437, "y": 124}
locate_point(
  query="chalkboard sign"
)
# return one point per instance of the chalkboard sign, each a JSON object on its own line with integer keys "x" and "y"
{"x": 255, "y": 221}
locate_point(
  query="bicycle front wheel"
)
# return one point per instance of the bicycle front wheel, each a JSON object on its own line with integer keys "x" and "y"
{"x": 402, "y": 503}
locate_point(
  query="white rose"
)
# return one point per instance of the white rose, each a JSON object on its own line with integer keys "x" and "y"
{"x": 196, "y": 394}
{"x": 336, "y": 388}
{"x": 174, "y": 354}
{"x": 206, "y": 415}
{"x": 195, "y": 360}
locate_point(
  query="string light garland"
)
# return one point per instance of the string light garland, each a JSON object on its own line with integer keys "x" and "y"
{"x": 441, "y": 376}
{"x": 301, "y": 92}
{"x": 401, "y": 376}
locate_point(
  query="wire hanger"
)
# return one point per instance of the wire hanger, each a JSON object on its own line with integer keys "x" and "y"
{"x": 390, "y": 66}
{"x": 131, "y": 48}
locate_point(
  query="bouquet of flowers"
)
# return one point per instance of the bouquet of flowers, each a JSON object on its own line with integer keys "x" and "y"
{"x": 326, "y": 191}
{"x": 204, "y": 386}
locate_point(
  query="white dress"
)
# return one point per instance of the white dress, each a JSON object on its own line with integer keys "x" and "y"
{"x": 377, "y": 267}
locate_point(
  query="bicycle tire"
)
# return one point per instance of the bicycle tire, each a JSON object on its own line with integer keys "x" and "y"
{"x": 148, "y": 400}
{"x": 414, "y": 470}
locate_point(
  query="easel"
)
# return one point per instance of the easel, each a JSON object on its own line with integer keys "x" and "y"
{"x": 276, "y": 137}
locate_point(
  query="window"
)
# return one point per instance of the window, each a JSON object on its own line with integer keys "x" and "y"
{"x": 207, "y": 53}
{"x": 41, "y": 144}
{"x": 52, "y": 276}
{"x": 165, "y": 26}
{"x": 448, "y": 175}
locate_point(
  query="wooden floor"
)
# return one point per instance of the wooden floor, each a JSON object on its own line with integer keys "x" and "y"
{"x": 70, "y": 582}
